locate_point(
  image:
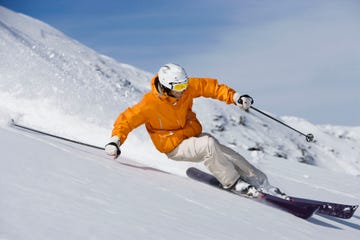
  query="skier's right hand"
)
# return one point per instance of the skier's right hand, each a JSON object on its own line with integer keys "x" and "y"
{"x": 113, "y": 147}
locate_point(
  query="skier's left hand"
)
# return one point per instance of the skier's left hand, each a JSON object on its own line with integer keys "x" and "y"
{"x": 243, "y": 101}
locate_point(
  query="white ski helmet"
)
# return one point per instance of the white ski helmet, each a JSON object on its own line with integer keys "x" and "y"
{"x": 173, "y": 76}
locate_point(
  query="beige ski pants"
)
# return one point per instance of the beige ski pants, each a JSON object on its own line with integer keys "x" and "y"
{"x": 224, "y": 163}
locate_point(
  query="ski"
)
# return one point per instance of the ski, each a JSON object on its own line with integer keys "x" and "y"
{"x": 299, "y": 209}
{"x": 329, "y": 208}
{"x": 324, "y": 208}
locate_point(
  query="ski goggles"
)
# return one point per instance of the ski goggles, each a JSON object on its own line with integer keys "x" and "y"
{"x": 179, "y": 87}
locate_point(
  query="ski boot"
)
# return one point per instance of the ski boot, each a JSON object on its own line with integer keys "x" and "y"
{"x": 274, "y": 191}
{"x": 245, "y": 189}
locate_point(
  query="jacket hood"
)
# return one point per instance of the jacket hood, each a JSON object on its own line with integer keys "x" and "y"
{"x": 158, "y": 91}
{"x": 155, "y": 88}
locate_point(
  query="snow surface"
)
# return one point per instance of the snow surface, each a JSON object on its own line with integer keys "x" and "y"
{"x": 50, "y": 189}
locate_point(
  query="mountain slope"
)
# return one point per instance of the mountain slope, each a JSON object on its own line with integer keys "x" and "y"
{"x": 56, "y": 190}
{"x": 40, "y": 63}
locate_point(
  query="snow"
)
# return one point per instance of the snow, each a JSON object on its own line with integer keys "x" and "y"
{"x": 56, "y": 190}
{"x": 51, "y": 189}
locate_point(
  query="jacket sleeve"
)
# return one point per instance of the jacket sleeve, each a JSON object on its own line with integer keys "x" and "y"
{"x": 210, "y": 88}
{"x": 128, "y": 120}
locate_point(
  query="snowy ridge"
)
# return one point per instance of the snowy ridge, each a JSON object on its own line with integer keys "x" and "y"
{"x": 39, "y": 62}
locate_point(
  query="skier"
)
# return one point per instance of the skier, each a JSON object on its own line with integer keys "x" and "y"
{"x": 174, "y": 129}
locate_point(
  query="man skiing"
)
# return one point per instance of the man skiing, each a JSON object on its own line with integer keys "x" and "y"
{"x": 174, "y": 129}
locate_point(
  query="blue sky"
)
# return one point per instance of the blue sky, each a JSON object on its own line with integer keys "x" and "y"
{"x": 296, "y": 58}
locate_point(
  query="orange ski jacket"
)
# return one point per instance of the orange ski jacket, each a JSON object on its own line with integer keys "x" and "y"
{"x": 169, "y": 120}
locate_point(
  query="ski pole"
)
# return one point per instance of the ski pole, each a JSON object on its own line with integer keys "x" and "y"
{"x": 309, "y": 137}
{"x": 54, "y": 136}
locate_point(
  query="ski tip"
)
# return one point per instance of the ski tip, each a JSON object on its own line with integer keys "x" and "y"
{"x": 354, "y": 208}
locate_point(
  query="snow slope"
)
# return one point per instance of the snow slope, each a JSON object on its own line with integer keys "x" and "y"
{"x": 55, "y": 190}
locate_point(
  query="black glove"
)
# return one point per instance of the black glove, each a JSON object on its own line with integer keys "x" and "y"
{"x": 243, "y": 101}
